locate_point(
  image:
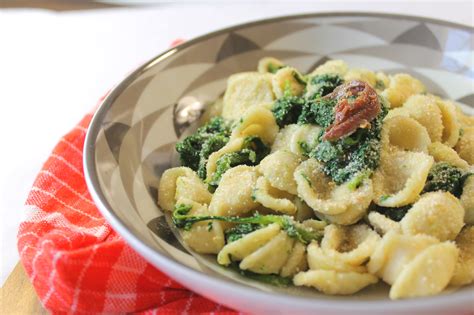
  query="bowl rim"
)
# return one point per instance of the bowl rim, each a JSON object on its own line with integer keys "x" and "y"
{"x": 169, "y": 265}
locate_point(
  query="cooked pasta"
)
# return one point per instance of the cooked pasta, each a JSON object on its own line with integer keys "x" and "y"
{"x": 332, "y": 180}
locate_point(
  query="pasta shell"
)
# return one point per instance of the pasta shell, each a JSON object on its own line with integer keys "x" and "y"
{"x": 400, "y": 88}
{"x": 233, "y": 196}
{"x": 200, "y": 237}
{"x": 167, "y": 188}
{"x": 271, "y": 257}
{"x": 273, "y": 198}
{"x": 327, "y": 199}
{"x": 394, "y": 251}
{"x": 442, "y": 153}
{"x": 438, "y": 214}
{"x": 243, "y": 247}
{"x": 245, "y": 90}
{"x": 278, "y": 169}
{"x": 231, "y": 146}
{"x": 464, "y": 270}
{"x": 400, "y": 177}
{"x": 354, "y": 243}
{"x": 382, "y": 224}
{"x": 296, "y": 262}
{"x": 331, "y": 67}
{"x": 467, "y": 200}
{"x": 267, "y": 63}
{"x": 192, "y": 187}
{"x": 287, "y": 78}
{"x": 465, "y": 145}
{"x": 405, "y": 133}
{"x": 319, "y": 260}
{"x": 428, "y": 274}
{"x": 334, "y": 282}
{"x": 451, "y": 124}
{"x": 256, "y": 121}
{"x": 361, "y": 75}
{"x": 424, "y": 109}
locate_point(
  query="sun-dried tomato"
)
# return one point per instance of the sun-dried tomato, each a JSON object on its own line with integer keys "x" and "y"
{"x": 357, "y": 105}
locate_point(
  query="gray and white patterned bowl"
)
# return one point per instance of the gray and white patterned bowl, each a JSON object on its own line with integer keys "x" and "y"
{"x": 131, "y": 138}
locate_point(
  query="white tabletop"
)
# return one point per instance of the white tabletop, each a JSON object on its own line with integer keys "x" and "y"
{"x": 54, "y": 67}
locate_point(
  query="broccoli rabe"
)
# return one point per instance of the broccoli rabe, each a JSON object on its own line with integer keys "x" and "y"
{"x": 317, "y": 112}
{"x": 182, "y": 220}
{"x": 394, "y": 213}
{"x": 321, "y": 85}
{"x": 287, "y": 109}
{"x": 346, "y": 157}
{"x": 252, "y": 152}
{"x": 445, "y": 177}
{"x": 239, "y": 231}
{"x": 272, "y": 279}
{"x": 195, "y": 149}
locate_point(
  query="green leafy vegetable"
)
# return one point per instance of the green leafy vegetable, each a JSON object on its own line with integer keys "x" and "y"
{"x": 379, "y": 85}
{"x": 445, "y": 177}
{"x": 287, "y": 109}
{"x": 346, "y": 157}
{"x": 252, "y": 152}
{"x": 195, "y": 149}
{"x": 394, "y": 213}
{"x": 321, "y": 85}
{"x": 272, "y": 279}
{"x": 182, "y": 220}
{"x": 240, "y": 231}
{"x": 318, "y": 112}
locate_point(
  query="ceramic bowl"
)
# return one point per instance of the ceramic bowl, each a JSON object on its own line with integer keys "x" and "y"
{"x": 131, "y": 138}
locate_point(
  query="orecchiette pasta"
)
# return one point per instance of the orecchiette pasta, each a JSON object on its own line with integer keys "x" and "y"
{"x": 231, "y": 146}
{"x": 234, "y": 194}
{"x": 284, "y": 137}
{"x": 465, "y": 145}
{"x": 464, "y": 270}
{"x": 273, "y": 198}
{"x": 327, "y": 199}
{"x": 269, "y": 65}
{"x": 405, "y": 133}
{"x": 333, "y": 67}
{"x": 191, "y": 187}
{"x": 248, "y": 244}
{"x": 412, "y": 264}
{"x": 332, "y": 179}
{"x": 467, "y": 200}
{"x": 334, "y": 282}
{"x": 362, "y": 75}
{"x": 278, "y": 169}
{"x": 352, "y": 245}
{"x": 400, "y": 88}
{"x": 442, "y": 153}
{"x": 424, "y": 109}
{"x": 382, "y": 224}
{"x": 287, "y": 78}
{"x": 245, "y": 90}
{"x": 256, "y": 121}
{"x": 167, "y": 188}
{"x": 451, "y": 125}
{"x": 436, "y": 263}
{"x": 201, "y": 237}
{"x": 438, "y": 214}
{"x": 296, "y": 262}
{"x": 400, "y": 177}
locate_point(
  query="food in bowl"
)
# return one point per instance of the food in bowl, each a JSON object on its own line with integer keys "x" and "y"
{"x": 333, "y": 180}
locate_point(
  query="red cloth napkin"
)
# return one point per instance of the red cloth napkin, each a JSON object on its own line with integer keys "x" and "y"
{"x": 76, "y": 262}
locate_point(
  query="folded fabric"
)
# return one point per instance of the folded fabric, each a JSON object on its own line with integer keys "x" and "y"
{"x": 74, "y": 259}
